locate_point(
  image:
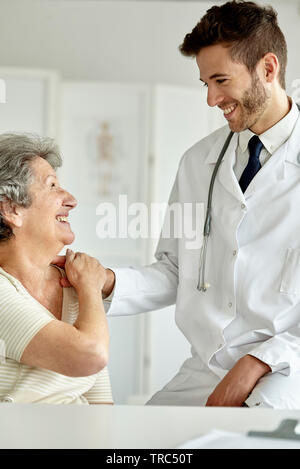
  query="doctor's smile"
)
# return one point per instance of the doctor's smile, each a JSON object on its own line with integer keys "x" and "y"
{"x": 228, "y": 112}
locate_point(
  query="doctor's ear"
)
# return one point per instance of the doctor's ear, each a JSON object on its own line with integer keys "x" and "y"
{"x": 270, "y": 67}
{"x": 11, "y": 212}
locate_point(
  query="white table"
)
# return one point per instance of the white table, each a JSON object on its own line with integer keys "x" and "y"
{"x": 106, "y": 426}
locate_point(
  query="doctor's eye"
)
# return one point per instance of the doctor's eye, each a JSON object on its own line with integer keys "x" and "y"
{"x": 221, "y": 81}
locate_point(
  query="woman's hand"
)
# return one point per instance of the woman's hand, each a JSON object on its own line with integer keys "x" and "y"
{"x": 60, "y": 261}
{"x": 83, "y": 346}
{"x": 83, "y": 271}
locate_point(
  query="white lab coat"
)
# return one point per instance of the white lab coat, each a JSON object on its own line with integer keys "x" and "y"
{"x": 253, "y": 267}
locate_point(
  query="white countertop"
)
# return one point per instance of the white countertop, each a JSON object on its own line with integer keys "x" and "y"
{"x": 106, "y": 426}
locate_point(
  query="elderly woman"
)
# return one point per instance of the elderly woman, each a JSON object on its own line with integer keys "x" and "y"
{"x": 55, "y": 338}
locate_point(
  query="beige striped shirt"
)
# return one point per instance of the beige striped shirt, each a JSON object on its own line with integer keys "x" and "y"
{"x": 21, "y": 317}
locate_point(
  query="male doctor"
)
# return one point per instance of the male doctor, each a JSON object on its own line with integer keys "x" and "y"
{"x": 244, "y": 329}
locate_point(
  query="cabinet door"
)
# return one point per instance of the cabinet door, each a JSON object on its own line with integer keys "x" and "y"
{"x": 181, "y": 117}
{"x": 104, "y": 141}
{"x": 31, "y": 101}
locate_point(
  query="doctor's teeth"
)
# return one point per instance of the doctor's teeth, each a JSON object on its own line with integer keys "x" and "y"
{"x": 229, "y": 109}
{"x": 62, "y": 218}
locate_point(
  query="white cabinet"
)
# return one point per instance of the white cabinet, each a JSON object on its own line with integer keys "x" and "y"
{"x": 180, "y": 117}
{"x": 104, "y": 140}
{"x": 31, "y": 101}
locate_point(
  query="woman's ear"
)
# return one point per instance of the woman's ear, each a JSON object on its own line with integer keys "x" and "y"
{"x": 11, "y": 212}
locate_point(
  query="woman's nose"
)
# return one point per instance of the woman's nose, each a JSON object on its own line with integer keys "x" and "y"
{"x": 69, "y": 200}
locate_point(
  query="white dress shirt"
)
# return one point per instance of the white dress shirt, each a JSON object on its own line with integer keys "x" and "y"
{"x": 272, "y": 139}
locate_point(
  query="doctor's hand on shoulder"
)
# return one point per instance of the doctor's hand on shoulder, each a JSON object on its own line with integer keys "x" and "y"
{"x": 239, "y": 382}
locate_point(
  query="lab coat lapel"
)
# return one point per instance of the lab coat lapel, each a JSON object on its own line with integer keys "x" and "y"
{"x": 271, "y": 173}
{"x": 274, "y": 170}
{"x": 292, "y": 153}
{"x": 226, "y": 175}
{"x": 217, "y": 145}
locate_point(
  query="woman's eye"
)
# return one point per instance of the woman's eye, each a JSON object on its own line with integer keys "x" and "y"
{"x": 221, "y": 81}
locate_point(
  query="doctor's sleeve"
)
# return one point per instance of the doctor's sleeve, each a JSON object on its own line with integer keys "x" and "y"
{"x": 281, "y": 352}
{"x": 150, "y": 287}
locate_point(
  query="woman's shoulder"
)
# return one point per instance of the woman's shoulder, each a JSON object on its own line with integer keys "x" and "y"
{"x": 8, "y": 282}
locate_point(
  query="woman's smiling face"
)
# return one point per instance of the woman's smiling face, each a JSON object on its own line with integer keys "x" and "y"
{"x": 45, "y": 221}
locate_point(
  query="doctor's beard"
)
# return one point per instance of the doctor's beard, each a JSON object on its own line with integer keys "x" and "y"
{"x": 253, "y": 104}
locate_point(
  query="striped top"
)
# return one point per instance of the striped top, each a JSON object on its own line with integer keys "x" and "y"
{"x": 21, "y": 317}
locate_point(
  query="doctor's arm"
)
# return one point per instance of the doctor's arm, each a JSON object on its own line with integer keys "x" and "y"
{"x": 280, "y": 353}
{"x": 239, "y": 382}
{"x": 135, "y": 290}
{"x": 141, "y": 289}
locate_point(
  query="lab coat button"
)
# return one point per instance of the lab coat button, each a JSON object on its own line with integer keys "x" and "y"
{"x": 243, "y": 206}
{"x": 234, "y": 252}
{"x": 230, "y": 304}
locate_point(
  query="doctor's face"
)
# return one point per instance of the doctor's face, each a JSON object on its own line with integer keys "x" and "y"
{"x": 240, "y": 95}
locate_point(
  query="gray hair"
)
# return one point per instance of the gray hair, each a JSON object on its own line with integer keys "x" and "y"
{"x": 17, "y": 151}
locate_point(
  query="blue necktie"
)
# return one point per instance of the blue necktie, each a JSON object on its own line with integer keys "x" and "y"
{"x": 253, "y": 165}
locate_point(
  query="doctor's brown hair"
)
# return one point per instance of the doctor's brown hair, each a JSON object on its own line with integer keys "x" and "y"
{"x": 250, "y": 30}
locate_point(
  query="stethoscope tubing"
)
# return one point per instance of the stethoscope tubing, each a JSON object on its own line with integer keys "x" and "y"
{"x": 202, "y": 285}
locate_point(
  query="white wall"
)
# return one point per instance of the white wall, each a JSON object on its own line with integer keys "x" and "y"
{"x": 121, "y": 41}
{"x": 109, "y": 41}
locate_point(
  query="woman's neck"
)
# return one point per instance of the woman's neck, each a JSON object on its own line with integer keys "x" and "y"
{"x": 31, "y": 267}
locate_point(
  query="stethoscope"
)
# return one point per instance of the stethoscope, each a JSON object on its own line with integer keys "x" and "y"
{"x": 202, "y": 285}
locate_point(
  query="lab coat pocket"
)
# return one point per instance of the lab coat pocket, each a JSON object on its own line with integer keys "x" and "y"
{"x": 290, "y": 281}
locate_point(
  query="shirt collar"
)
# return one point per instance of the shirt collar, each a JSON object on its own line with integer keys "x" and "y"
{"x": 274, "y": 137}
